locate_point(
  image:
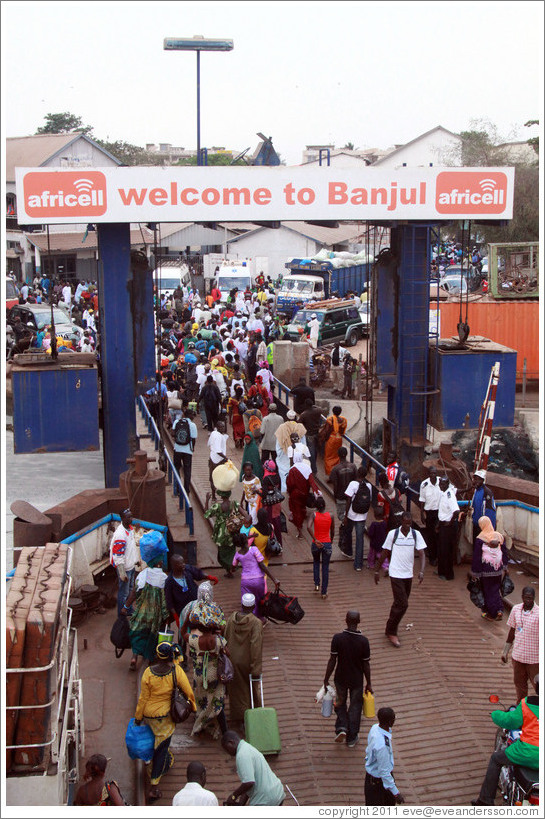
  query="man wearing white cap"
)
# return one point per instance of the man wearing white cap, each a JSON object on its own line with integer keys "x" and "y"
{"x": 482, "y": 503}
{"x": 244, "y": 635}
{"x": 314, "y": 331}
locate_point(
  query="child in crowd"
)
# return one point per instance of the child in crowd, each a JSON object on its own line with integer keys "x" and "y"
{"x": 377, "y": 532}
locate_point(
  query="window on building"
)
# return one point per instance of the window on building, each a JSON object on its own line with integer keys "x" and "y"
{"x": 60, "y": 266}
{"x": 11, "y": 204}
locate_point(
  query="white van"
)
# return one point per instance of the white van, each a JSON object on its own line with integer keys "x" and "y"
{"x": 170, "y": 276}
{"x": 233, "y": 274}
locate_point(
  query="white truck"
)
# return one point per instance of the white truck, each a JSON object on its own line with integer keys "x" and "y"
{"x": 228, "y": 272}
{"x": 170, "y": 274}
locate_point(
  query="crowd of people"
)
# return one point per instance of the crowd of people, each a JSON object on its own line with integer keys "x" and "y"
{"x": 216, "y": 365}
{"x": 79, "y": 302}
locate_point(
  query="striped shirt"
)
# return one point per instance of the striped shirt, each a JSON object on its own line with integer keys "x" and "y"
{"x": 526, "y": 625}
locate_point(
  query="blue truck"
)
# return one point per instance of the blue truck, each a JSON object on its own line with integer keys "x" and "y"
{"x": 308, "y": 280}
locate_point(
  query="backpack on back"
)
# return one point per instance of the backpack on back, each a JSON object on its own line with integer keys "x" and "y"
{"x": 182, "y": 433}
{"x": 397, "y": 531}
{"x": 361, "y": 501}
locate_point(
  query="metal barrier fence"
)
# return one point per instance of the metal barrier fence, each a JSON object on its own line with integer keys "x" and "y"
{"x": 352, "y": 446}
{"x": 173, "y": 477}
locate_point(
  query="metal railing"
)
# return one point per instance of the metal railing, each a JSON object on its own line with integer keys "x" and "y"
{"x": 173, "y": 477}
{"x": 352, "y": 446}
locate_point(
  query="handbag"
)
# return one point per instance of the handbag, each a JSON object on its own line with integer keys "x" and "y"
{"x": 180, "y": 708}
{"x": 226, "y": 671}
{"x": 507, "y": 586}
{"x": 270, "y": 498}
{"x": 475, "y": 593}
{"x": 119, "y": 635}
{"x": 311, "y": 500}
{"x": 279, "y": 607}
{"x": 273, "y": 547}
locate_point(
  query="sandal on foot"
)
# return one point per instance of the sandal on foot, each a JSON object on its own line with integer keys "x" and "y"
{"x": 132, "y": 666}
{"x": 154, "y": 795}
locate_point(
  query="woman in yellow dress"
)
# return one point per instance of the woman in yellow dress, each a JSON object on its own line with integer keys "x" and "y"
{"x": 154, "y": 709}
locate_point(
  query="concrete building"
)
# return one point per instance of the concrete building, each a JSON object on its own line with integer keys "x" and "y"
{"x": 294, "y": 240}
{"x": 26, "y": 243}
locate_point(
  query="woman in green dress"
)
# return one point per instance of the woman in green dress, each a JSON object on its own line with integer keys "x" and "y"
{"x": 221, "y": 511}
{"x": 150, "y": 610}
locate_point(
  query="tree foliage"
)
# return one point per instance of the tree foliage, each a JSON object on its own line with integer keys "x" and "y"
{"x": 483, "y": 146}
{"x": 212, "y": 159}
{"x": 533, "y": 141}
{"x": 127, "y": 153}
{"x": 63, "y": 123}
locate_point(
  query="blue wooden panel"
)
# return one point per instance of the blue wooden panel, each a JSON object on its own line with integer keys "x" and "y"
{"x": 55, "y": 410}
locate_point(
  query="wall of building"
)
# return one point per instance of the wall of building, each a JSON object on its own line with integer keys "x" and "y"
{"x": 277, "y": 245}
{"x": 439, "y": 148}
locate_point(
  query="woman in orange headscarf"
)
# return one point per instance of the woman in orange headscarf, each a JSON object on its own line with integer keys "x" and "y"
{"x": 489, "y": 564}
{"x": 332, "y": 433}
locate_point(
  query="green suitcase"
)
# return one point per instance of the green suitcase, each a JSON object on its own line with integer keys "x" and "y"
{"x": 261, "y": 726}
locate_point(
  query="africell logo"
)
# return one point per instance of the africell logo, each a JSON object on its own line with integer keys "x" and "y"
{"x": 67, "y": 193}
{"x": 471, "y": 192}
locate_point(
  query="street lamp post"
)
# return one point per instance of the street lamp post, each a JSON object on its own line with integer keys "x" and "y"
{"x": 197, "y": 43}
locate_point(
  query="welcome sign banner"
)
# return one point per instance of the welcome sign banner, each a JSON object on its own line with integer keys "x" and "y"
{"x": 246, "y": 194}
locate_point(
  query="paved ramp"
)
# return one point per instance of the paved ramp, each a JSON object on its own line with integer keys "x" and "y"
{"x": 438, "y": 682}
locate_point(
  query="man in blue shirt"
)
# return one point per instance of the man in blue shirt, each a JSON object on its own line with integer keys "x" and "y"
{"x": 482, "y": 502}
{"x": 380, "y": 786}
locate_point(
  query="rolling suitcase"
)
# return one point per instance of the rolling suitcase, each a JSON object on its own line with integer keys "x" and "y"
{"x": 261, "y": 725}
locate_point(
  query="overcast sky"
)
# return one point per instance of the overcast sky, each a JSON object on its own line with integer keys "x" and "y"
{"x": 370, "y": 73}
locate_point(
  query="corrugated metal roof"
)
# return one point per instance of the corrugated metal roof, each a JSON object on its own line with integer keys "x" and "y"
{"x": 74, "y": 241}
{"x": 34, "y": 151}
{"x": 328, "y": 237}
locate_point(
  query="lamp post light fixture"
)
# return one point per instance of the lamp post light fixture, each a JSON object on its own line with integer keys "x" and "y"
{"x": 197, "y": 43}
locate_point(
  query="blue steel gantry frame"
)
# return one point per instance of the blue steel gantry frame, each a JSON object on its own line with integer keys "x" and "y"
{"x": 127, "y": 336}
{"x": 403, "y": 334}
{"x": 127, "y": 344}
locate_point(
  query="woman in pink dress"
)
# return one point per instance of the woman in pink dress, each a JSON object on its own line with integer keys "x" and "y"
{"x": 250, "y": 559}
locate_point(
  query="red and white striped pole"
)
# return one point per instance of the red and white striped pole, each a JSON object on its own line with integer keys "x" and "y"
{"x": 487, "y": 416}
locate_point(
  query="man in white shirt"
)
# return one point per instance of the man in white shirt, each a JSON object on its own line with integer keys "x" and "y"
{"x": 194, "y": 793}
{"x": 217, "y": 445}
{"x": 67, "y": 296}
{"x": 314, "y": 331}
{"x": 198, "y": 313}
{"x": 448, "y": 513}
{"x": 79, "y": 290}
{"x": 123, "y": 556}
{"x": 399, "y": 547}
{"x": 429, "y": 504}
{"x": 358, "y": 494}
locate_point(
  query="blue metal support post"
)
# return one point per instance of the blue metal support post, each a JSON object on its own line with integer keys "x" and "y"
{"x": 117, "y": 349}
{"x": 143, "y": 328}
{"x": 403, "y": 329}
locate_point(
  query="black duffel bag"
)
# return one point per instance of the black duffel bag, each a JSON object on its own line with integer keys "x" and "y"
{"x": 281, "y": 608}
{"x": 119, "y": 635}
